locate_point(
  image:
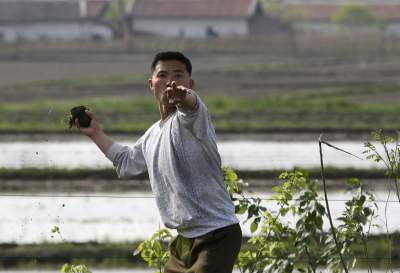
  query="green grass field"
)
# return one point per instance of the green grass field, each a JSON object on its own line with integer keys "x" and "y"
{"x": 327, "y": 108}
{"x": 119, "y": 255}
{"x": 16, "y": 181}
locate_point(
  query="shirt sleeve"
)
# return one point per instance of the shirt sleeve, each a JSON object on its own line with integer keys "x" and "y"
{"x": 197, "y": 120}
{"x": 128, "y": 161}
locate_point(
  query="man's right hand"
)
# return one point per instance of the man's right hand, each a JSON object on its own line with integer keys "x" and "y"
{"x": 94, "y": 126}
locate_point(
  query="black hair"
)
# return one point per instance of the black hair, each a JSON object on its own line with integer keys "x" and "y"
{"x": 172, "y": 55}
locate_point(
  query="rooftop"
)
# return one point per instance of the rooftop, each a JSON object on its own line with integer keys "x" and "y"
{"x": 194, "y": 8}
{"x": 38, "y": 10}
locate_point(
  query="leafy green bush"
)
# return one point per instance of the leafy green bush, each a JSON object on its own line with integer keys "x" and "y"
{"x": 303, "y": 246}
{"x": 154, "y": 251}
{"x": 280, "y": 245}
{"x": 67, "y": 268}
{"x": 354, "y": 15}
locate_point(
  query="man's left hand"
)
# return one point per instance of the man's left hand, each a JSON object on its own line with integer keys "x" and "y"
{"x": 175, "y": 95}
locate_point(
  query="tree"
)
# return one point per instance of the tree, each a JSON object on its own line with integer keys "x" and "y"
{"x": 354, "y": 15}
{"x": 118, "y": 16}
{"x": 284, "y": 14}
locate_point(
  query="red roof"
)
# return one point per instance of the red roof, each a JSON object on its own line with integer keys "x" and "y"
{"x": 327, "y": 11}
{"x": 194, "y": 8}
{"x": 389, "y": 12}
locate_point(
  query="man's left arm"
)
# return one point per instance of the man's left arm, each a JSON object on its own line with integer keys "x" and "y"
{"x": 193, "y": 113}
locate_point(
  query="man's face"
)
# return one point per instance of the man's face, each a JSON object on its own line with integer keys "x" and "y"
{"x": 165, "y": 73}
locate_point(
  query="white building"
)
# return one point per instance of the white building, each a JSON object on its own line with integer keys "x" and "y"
{"x": 197, "y": 18}
{"x": 33, "y": 20}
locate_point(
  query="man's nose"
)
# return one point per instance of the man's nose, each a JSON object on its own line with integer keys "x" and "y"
{"x": 169, "y": 82}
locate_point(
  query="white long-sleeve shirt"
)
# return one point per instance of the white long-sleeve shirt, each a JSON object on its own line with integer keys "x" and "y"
{"x": 184, "y": 166}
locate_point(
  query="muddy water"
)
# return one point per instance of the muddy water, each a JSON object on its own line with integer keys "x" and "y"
{"x": 121, "y": 217}
{"x": 238, "y": 154}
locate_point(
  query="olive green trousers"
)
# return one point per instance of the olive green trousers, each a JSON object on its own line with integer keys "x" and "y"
{"x": 214, "y": 252}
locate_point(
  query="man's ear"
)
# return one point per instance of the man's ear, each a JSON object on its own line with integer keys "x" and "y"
{"x": 191, "y": 84}
{"x": 150, "y": 84}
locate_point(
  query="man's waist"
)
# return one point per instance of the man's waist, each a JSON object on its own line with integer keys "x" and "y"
{"x": 199, "y": 231}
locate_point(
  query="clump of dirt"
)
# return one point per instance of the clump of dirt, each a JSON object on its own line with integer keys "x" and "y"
{"x": 79, "y": 113}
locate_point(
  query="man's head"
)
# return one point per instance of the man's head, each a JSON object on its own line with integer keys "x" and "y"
{"x": 172, "y": 55}
{"x": 168, "y": 67}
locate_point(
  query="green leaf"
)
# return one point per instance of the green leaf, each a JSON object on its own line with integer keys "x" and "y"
{"x": 241, "y": 209}
{"x": 284, "y": 175}
{"x": 320, "y": 209}
{"x": 253, "y": 227}
{"x": 229, "y": 174}
{"x": 55, "y": 229}
{"x": 319, "y": 223}
{"x": 354, "y": 182}
{"x": 367, "y": 211}
{"x": 65, "y": 268}
{"x": 138, "y": 250}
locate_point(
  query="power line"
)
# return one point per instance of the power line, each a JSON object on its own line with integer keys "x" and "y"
{"x": 152, "y": 197}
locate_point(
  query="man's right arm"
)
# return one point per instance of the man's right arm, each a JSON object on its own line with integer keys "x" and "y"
{"x": 96, "y": 133}
{"x": 127, "y": 161}
{"x": 102, "y": 141}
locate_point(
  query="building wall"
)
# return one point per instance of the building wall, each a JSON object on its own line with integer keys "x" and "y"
{"x": 54, "y": 31}
{"x": 393, "y": 30}
{"x": 192, "y": 28}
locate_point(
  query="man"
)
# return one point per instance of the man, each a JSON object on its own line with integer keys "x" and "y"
{"x": 180, "y": 154}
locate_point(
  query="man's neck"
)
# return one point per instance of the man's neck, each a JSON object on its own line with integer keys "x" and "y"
{"x": 165, "y": 111}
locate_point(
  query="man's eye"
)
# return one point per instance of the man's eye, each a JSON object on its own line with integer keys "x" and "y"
{"x": 162, "y": 75}
{"x": 178, "y": 76}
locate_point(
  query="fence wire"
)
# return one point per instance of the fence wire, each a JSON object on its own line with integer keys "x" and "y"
{"x": 152, "y": 197}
